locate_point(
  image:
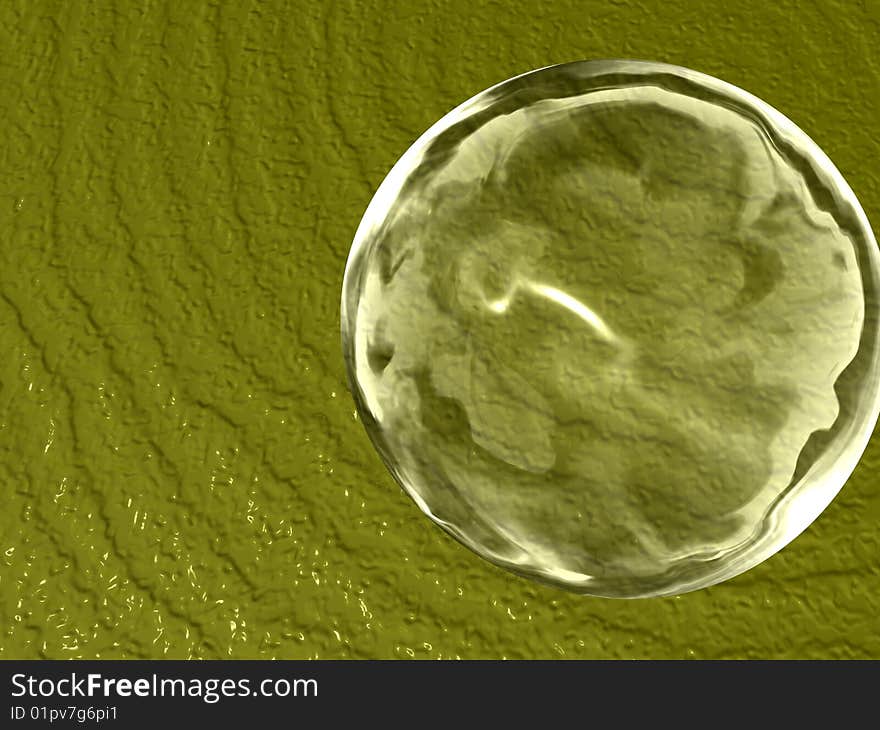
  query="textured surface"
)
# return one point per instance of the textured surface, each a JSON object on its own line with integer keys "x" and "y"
{"x": 599, "y": 332}
{"x": 182, "y": 469}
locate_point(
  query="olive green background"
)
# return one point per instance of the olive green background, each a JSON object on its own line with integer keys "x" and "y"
{"x": 183, "y": 473}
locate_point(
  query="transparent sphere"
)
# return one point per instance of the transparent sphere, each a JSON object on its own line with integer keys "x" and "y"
{"x": 613, "y": 325}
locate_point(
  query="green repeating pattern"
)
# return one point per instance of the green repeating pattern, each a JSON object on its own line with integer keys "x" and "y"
{"x": 183, "y": 472}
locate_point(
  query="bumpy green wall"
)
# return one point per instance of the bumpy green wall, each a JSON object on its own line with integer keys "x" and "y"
{"x": 182, "y": 472}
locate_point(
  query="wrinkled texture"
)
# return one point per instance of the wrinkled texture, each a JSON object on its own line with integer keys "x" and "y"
{"x": 598, "y": 323}
{"x": 182, "y": 469}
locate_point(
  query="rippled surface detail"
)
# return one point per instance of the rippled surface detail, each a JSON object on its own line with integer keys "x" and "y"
{"x": 613, "y": 325}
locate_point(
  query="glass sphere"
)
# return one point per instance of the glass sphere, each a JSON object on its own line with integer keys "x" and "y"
{"x": 613, "y": 325}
